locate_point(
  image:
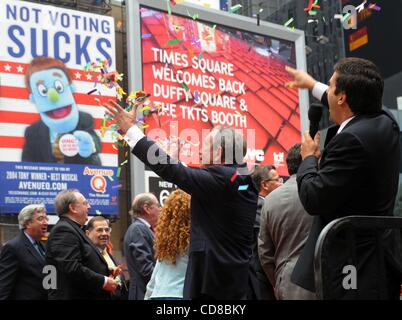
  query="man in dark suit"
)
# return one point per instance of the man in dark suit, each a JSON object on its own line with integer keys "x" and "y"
{"x": 98, "y": 230}
{"x": 223, "y": 207}
{"x": 82, "y": 272}
{"x": 22, "y": 259}
{"x": 357, "y": 174}
{"x": 139, "y": 243}
{"x": 266, "y": 179}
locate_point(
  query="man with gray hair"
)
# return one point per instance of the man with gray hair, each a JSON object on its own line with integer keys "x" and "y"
{"x": 223, "y": 207}
{"x": 82, "y": 272}
{"x": 22, "y": 259}
{"x": 139, "y": 242}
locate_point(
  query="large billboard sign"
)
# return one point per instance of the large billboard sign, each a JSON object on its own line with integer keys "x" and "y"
{"x": 50, "y": 114}
{"x": 206, "y": 68}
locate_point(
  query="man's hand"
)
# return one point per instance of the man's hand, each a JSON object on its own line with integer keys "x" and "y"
{"x": 117, "y": 270}
{"x": 310, "y": 147}
{"x": 124, "y": 119}
{"x": 110, "y": 285}
{"x": 301, "y": 80}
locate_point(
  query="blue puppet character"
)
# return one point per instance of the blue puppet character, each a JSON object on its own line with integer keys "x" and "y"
{"x": 51, "y": 90}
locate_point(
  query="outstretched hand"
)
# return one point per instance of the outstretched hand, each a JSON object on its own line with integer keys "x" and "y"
{"x": 301, "y": 79}
{"x": 124, "y": 119}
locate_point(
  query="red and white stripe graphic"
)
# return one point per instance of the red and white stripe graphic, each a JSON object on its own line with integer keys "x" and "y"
{"x": 17, "y": 112}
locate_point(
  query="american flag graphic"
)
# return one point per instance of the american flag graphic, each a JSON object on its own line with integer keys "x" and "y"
{"x": 17, "y": 112}
{"x": 29, "y": 30}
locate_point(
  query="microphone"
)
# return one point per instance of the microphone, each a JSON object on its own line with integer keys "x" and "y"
{"x": 314, "y": 115}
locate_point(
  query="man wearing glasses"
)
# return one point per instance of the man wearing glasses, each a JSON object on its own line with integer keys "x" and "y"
{"x": 99, "y": 230}
{"x": 22, "y": 259}
{"x": 82, "y": 272}
{"x": 266, "y": 179}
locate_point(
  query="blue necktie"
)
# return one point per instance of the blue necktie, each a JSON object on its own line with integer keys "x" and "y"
{"x": 38, "y": 247}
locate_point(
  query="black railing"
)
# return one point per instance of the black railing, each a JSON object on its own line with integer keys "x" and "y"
{"x": 345, "y": 229}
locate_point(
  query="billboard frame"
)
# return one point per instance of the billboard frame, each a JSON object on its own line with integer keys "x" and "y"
{"x": 223, "y": 18}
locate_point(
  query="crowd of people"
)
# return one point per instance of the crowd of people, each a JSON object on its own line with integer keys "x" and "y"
{"x": 214, "y": 239}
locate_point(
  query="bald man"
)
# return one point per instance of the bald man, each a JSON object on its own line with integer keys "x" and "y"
{"x": 139, "y": 241}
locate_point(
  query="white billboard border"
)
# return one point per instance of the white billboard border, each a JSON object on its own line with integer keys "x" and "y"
{"x": 134, "y": 52}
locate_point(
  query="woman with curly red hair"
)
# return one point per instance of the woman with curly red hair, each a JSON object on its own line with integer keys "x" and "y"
{"x": 172, "y": 239}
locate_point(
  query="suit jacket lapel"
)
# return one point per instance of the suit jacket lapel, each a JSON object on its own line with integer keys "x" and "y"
{"x": 331, "y": 132}
{"x": 31, "y": 249}
{"x": 86, "y": 239}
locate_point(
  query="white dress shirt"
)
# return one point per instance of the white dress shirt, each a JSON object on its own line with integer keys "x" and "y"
{"x": 133, "y": 135}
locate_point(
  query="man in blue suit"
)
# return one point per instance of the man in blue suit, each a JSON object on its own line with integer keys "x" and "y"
{"x": 22, "y": 259}
{"x": 139, "y": 243}
{"x": 223, "y": 207}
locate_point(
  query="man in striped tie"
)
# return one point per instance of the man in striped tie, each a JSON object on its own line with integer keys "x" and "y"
{"x": 22, "y": 259}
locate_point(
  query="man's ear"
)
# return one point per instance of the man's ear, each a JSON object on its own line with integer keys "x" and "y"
{"x": 70, "y": 207}
{"x": 264, "y": 185}
{"x": 342, "y": 98}
{"x": 72, "y": 87}
{"x": 87, "y": 233}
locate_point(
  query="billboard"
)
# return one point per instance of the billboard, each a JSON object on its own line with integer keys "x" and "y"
{"x": 206, "y": 68}
{"x": 50, "y": 114}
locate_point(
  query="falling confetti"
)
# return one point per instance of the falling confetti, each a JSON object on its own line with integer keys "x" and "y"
{"x": 92, "y": 91}
{"x": 194, "y": 16}
{"x": 173, "y": 41}
{"x": 235, "y": 8}
{"x": 287, "y": 23}
{"x": 373, "y": 6}
{"x": 233, "y": 178}
{"x": 346, "y": 17}
{"x": 169, "y": 9}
